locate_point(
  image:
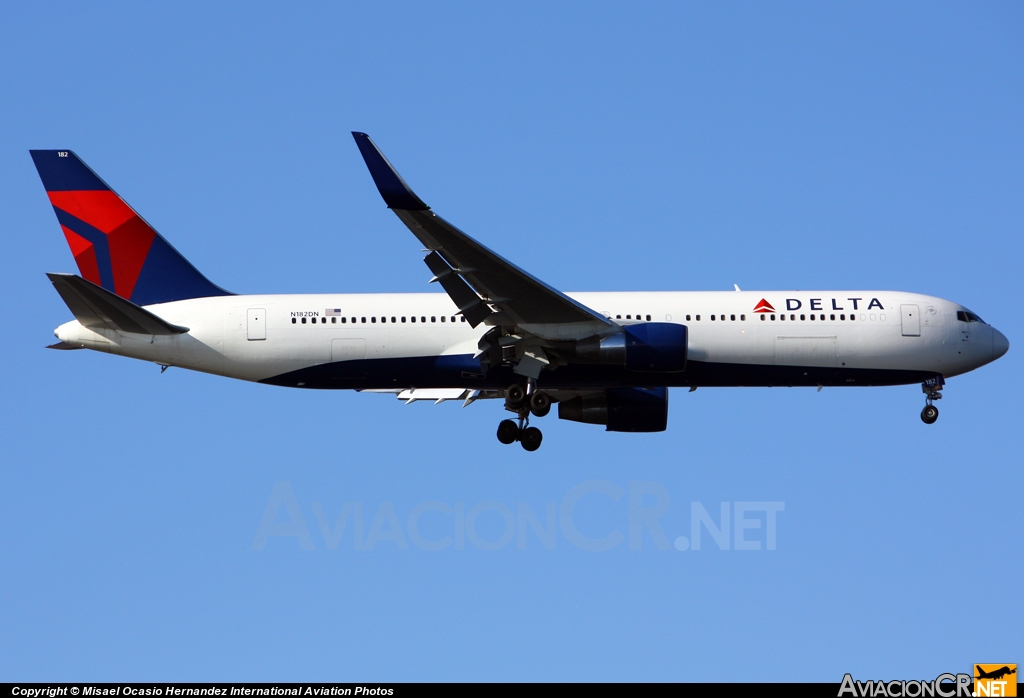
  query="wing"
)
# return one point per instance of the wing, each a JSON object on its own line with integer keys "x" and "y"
{"x": 485, "y": 286}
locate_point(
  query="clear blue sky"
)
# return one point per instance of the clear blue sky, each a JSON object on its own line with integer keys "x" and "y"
{"x": 602, "y": 147}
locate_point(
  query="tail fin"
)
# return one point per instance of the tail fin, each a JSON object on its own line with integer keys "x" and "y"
{"x": 114, "y": 248}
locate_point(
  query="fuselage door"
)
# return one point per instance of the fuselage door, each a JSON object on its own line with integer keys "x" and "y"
{"x": 911, "y": 316}
{"x": 257, "y": 324}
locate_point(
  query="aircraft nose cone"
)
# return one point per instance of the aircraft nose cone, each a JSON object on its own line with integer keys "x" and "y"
{"x": 1000, "y": 344}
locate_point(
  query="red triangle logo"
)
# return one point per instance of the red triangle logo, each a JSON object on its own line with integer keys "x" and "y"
{"x": 763, "y": 306}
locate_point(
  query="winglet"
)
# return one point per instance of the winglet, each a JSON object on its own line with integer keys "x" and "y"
{"x": 396, "y": 193}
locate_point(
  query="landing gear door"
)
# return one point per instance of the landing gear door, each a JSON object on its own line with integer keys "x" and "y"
{"x": 256, "y": 324}
{"x": 911, "y": 316}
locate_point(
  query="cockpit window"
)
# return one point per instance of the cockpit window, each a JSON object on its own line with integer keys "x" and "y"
{"x": 968, "y": 316}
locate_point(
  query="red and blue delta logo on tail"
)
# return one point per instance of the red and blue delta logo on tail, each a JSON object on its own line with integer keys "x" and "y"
{"x": 113, "y": 246}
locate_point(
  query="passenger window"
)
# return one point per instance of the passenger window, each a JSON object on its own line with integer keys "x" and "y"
{"x": 872, "y": 317}
{"x": 698, "y": 318}
{"x": 732, "y": 318}
{"x": 345, "y": 320}
{"x": 413, "y": 318}
{"x": 629, "y": 317}
{"x": 334, "y": 320}
{"x": 792, "y": 318}
{"x": 303, "y": 321}
{"x": 383, "y": 319}
{"x": 373, "y": 319}
{"x": 762, "y": 317}
{"x": 433, "y": 318}
{"x": 392, "y": 318}
{"x": 453, "y": 318}
{"x": 773, "y": 318}
{"x": 293, "y": 321}
{"x": 463, "y": 318}
{"x": 618, "y": 317}
{"x": 802, "y": 317}
{"x": 648, "y": 318}
{"x": 443, "y": 318}
{"x": 743, "y": 318}
{"x": 782, "y": 318}
{"x": 882, "y": 317}
{"x": 423, "y": 318}
{"x": 687, "y": 318}
{"x": 832, "y": 316}
{"x": 843, "y": 316}
{"x": 323, "y": 320}
{"x": 403, "y": 318}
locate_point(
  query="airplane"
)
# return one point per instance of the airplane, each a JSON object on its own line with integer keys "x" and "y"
{"x": 995, "y": 674}
{"x": 497, "y": 332}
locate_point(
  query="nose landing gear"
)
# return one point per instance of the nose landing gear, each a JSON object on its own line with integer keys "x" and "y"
{"x": 524, "y": 402}
{"x": 932, "y": 391}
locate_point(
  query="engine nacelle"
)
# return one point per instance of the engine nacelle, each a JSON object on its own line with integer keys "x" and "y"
{"x": 620, "y": 409}
{"x": 647, "y": 346}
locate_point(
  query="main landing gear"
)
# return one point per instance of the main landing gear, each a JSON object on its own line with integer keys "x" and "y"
{"x": 932, "y": 391}
{"x": 524, "y": 401}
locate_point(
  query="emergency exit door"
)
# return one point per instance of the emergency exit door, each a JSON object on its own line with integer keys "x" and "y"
{"x": 257, "y": 324}
{"x": 911, "y": 316}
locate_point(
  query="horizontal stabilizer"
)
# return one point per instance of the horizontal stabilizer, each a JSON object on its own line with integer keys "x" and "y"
{"x": 95, "y": 307}
{"x": 63, "y": 346}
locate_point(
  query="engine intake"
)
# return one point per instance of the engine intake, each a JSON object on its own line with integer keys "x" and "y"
{"x": 620, "y": 409}
{"x": 647, "y": 346}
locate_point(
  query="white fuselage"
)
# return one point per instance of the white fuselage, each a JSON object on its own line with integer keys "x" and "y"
{"x": 259, "y": 337}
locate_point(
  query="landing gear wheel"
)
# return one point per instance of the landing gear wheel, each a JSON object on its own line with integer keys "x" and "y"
{"x": 530, "y": 438}
{"x": 929, "y": 414}
{"x": 508, "y": 432}
{"x": 515, "y": 396}
{"x": 540, "y": 403}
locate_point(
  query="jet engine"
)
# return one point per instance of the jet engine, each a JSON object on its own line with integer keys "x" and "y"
{"x": 620, "y": 409}
{"x": 647, "y": 346}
